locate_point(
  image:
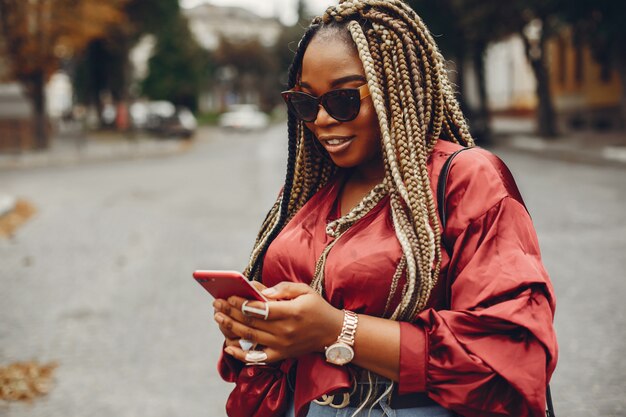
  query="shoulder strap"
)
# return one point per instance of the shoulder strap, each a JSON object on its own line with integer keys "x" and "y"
{"x": 441, "y": 207}
{"x": 550, "y": 406}
{"x": 441, "y": 187}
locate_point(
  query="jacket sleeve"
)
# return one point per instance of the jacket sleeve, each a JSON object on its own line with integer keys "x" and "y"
{"x": 493, "y": 351}
{"x": 228, "y": 367}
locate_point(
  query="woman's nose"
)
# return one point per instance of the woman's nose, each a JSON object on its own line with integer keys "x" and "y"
{"x": 323, "y": 118}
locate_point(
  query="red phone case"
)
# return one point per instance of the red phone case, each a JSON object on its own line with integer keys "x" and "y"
{"x": 223, "y": 284}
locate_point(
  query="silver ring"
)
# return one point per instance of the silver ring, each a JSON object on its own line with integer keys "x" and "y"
{"x": 246, "y": 345}
{"x": 247, "y": 310}
{"x": 256, "y": 357}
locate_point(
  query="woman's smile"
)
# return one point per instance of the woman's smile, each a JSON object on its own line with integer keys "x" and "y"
{"x": 336, "y": 144}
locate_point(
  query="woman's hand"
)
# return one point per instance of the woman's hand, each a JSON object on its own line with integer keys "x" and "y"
{"x": 231, "y": 339}
{"x": 300, "y": 321}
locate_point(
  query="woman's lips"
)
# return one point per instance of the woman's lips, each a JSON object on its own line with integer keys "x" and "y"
{"x": 336, "y": 144}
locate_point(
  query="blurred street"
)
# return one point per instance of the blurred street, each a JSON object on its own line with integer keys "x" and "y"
{"x": 100, "y": 279}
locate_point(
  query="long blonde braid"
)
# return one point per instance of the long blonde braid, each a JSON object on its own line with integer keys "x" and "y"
{"x": 402, "y": 64}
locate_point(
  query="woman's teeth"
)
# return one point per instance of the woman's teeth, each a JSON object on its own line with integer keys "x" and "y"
{"x": 334, "y": 142}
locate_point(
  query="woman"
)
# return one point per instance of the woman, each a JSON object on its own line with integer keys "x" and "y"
{"x": 369, "y": 310}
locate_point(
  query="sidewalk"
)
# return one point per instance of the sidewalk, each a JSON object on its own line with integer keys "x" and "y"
{"x": 586, "y": 146}
{"x": 93, "y": 147}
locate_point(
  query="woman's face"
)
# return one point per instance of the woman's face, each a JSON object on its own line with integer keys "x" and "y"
{"x": 328, "y": 66}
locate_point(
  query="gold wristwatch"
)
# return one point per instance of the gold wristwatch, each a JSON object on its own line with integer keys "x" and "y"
{"x": 341, "y": 352}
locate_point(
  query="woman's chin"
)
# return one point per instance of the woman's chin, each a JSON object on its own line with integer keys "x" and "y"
{"x": 343, "y": 162}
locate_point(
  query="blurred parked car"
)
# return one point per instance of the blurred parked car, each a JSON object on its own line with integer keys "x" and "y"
{"x": 164, "y": 119}
{"x": 139, "y": 112}
{"x": 109, "y": 113}
{"x": 245, "y": 117}
{"x": 160, "y": 118}
{"x": 182, "y": 124}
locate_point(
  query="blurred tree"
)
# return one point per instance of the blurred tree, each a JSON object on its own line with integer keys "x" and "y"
{"x": 255, "y": 69}
{"x": 285, "y": 49}
{"x": 303, "y": 12}
{"x": 101, "y": 69}
{"x": 287, "y": 43}
{"x": 179, "y": 67}
{"x": 462, "y": 34}
{"x": 600, "y": 24}
{"x": 443, "y": 20}
{"x": 105, "y": 69}
{"x": 40, "y": 34}
{"x": 474, "y": 24}
{"x": 535, "y": 21}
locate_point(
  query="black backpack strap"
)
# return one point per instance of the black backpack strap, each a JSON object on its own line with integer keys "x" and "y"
{"x": 441, "y": 189}
{"x": 441, "y": 208}
{"x": 550, "y": 410}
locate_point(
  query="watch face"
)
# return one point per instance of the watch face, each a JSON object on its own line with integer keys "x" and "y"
{"x": 339, "y": 354}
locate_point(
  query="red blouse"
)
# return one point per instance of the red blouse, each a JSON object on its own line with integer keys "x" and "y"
{"x": 491, "y": 352}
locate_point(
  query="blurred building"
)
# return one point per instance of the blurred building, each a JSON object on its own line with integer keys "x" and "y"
{"x": 209, "y": 23}
{"x": 16, "y": 133}
{"x": 16, "y": 114}
{"x": 586, "y": 94}
{"x": 510, "y": 80}
{"x": 59, "y": 95}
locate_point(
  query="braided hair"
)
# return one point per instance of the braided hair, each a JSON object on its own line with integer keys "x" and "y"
{"x": 416, "y": 106}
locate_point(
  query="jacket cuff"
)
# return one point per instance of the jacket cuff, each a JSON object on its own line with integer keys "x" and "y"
{"x": 228, "y": 367}
{"x": 413, "y": 358}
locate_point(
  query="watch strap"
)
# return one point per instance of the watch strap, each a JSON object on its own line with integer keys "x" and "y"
{"x": 348, "y": 329}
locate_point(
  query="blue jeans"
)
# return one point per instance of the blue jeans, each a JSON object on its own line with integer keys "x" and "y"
{"x": 316, "y": 410}
{"x": 381, "y": 410}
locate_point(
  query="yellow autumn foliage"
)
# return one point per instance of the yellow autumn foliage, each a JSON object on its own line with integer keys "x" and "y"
{"x": 24, "y": 381}
{"x": 38, "y": 34}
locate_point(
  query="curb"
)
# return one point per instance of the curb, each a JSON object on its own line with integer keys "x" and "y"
{"x": 94, "y": 153}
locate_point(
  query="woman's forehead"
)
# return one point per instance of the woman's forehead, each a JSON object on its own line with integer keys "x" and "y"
{"x": 324, "y": 63}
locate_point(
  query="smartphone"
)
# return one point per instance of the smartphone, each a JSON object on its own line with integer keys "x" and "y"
{"x": 223, "y": 284}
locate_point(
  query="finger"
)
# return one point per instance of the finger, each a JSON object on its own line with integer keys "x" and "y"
{"x": 287, "y": 290}
{"x": 257, "y": 336}
{"x": 278, "y": 310}
{"x": 232, "y": 342}
{"x": 218, "y": 306}
{"x": 227, "y": 333}
{"x": 259, "y": 286}
{"x": 237, "y": 353}
{"x": 255, "y": 312}
{"x": 239, "y": 344}
{"x": 234, "y": 309}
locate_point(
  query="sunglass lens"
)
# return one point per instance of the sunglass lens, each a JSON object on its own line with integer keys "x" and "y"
{"x": 343, "y": 105}
{"x": 304, "y": 106}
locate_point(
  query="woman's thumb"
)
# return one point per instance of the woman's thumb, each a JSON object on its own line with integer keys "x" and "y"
{"x": 287, "y": 290}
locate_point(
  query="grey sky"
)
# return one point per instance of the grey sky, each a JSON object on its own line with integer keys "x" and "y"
{"x": 285, "y": 9}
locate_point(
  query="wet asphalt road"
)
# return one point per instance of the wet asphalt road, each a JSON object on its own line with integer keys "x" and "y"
{"x": 100, "y": 279}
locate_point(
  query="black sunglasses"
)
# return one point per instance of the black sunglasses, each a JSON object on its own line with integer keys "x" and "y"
{"x": 342, "y": 104}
